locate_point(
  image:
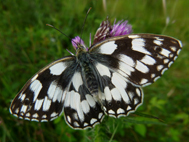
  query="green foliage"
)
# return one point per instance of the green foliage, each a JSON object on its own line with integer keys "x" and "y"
{"x": 27, "y": 45}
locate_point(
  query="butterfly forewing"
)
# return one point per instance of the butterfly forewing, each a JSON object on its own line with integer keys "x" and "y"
{"x": 140, "y": 58}
{"x": 42, "y": 98}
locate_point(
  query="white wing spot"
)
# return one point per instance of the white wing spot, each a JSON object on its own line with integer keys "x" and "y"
{"x": 73, "y": 100}
{"x": 125, "y": 68}
{"x": 75, "y": 116}
{"x": 148, "y": 60}
{"x": 57, "y": 68}
{"x": 120, "y": 111}
{"x": 171, "y": 55}
{"x": 157, "y": 42}
{"x": 93, "y": 120}
{"x": 53, "y": 114}
{"x": 44, "y": 116}
{"x": 23, "y": 96}
{"x": 131, "y": 95}
{"x": 107, "y": 94}
{"x": 138, "y": 45}
{"x": 38, "y": 104}
{"x": 143, "y": 81}
{"x": 173, "y": 48}
{"x": 133, "y": 36}
{"x": 67, "y": 99}
{"x": 136, "y": 101}
{"x": 138, "y": 92}
{"x": 90, "y": 100}
{"x": 69, "y": 119}
{"x": 36, "y": 87}
{"x": 100, "y": 115}
{"x": 103, "y": 70}
{"x": 111, "y": 111}
{"x": 128, "y": 108}
{"x": 76, "y": 124}
{"x": 153, "y": 75}
{"x": 141, "y": 67}
{"x": 160, "y": 39}
{"x": 77, "y": 105}
{"x": 127, "y": 60}
{"x": 116, "y": 94}
{"x": 28, "y": 114}
{"x": 160, "y": 67}
{"x": 85, "y": 106}
{"x": 108, "y": 47}
{"x": 35, "y": 115}
{"x": 77, "y": 80}
{"x": 165, "y": 52}
{"x": 57, "y": 94}
{"x": 85, "y": 124}
{"x": 165, "y": 61}
{"x": 51, "y": 89}
{"x": 46, "y": 104}
{"x": 24, "y": 108}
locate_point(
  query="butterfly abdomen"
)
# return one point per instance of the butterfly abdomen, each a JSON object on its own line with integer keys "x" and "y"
{"x": 88, "y": 72}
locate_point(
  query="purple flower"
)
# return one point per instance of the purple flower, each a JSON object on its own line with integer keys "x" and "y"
{"x": 120, "y": 28}
{"x": 77, "y": 41}
{"x": 106, "y": 30}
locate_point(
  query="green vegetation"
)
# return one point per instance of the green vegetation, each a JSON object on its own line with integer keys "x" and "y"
{"x": 27, "y": 45}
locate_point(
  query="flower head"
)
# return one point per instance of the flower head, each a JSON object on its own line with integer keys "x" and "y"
{"x": 77, "y": 41}
{"x": 121, "y": 28}
{"x": 107, "y": 30}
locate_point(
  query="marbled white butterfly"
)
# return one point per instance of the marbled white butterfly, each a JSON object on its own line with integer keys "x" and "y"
{"x": 104, "y": 79}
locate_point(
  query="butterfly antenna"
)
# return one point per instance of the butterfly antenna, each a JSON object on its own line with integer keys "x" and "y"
{"x": 60, "y": 32}
{"x": 84, "y": 22}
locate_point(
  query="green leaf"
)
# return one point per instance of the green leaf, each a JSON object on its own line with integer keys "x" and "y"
{"x": 140, "y": 129}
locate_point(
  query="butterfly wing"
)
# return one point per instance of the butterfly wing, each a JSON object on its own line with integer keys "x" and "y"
{"x": 42, "y": 97}
{"x": 118, "y": 95}
{"x": 56, "y": 88}
{"x": 126, "y": 63}
{"x": 81, "y": 109}
{"x": 140, "y": 58}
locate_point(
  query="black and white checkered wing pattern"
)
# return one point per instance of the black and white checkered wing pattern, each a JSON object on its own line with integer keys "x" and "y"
{"x": 42, "y": 97}
{"x": 140, "y": 58}
{"x": 58, "y": 88}
{"x": 81, "y": 109}
{"x": 118, "y": 95}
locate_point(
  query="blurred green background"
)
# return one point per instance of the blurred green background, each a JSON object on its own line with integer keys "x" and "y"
{"x": 27, "y": 45}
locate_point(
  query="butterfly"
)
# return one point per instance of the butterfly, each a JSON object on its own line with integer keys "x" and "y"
{"x": 104, "y": 79}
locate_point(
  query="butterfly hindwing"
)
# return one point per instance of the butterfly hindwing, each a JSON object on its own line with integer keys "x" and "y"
{"x": 42, "y": 97}
{"x": 118, "y": 95}
{"x": 81, "y": 109}
{"x": 140, "y": 58}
